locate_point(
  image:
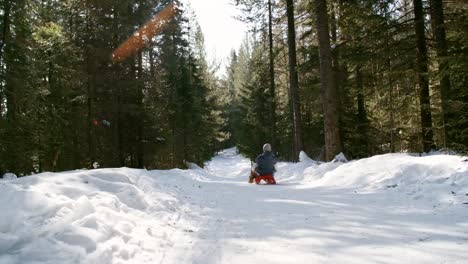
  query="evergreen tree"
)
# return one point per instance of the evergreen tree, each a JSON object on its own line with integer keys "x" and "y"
{"x": 65, "y": 103}
{"x": 328, "y": 86}
{"x": 373, "y": 65}
{"x": 294, "y": 80}
{"x": 423, "y": 77}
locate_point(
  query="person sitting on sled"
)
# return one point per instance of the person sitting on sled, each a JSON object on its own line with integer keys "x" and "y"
{"x": 264, "y": 167}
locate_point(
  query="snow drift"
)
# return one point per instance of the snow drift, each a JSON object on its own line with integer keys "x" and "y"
{"x": 98, "y": 216}
{"x": 439, "y": 178}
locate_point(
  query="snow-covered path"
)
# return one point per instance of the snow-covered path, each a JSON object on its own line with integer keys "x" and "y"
{"x": 393, "y": 208}
{"x": 293, "y": 223}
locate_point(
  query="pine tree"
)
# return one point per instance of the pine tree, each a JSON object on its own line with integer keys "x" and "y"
{"x": 423, "y": 77}
{"x": 78, "y": 106}
{"x": 294, "y": 80}
{"x": 328, "y": 86}
{"x": 438, "y": 25}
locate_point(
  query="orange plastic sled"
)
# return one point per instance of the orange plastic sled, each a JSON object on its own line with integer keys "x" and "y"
{"x": 269, "y": 179}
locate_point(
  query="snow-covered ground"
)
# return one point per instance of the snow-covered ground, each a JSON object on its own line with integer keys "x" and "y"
{"x": 392, "y": 208}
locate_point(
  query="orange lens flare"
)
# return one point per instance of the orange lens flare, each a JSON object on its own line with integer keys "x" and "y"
{"x": 143, "y": 36}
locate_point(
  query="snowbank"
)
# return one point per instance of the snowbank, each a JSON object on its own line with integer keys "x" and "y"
{"x": 390, "y": 169}
{"x": 9, "y": 176}
{"x": 438, "y": 178}
{"x": 98, "y": 216}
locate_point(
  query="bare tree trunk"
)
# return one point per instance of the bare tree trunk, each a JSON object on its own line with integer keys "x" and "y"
{"x": 390, "y": 83}
{"x": 327, "y": 83}
{"x": 362, "y": 116}
{"x": 140, "y": 150}
{"x": 438, "y": 26}
{"x": 423, "y": 77}
{"x": 392, "y": 112}
{"x": 89, "y": 91}
{"x": 117, "y": 129}
{"x": 120, "y": 139}
{"x": 339, "y": 71}
{"x": 10, "y": 91}
{"x": 5, "y": 33}
{"x": 294, "y": 81}
{"x": 151, "y": 62}
{"x": 9, "y": 85}
{"x": 6, "y": 25}
{"x": 272, "y": 76}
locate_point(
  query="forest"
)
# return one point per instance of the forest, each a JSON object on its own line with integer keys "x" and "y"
{"x": 362, "y": 77}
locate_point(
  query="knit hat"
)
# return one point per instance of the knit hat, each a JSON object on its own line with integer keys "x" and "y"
{"x": 266, "y": 147}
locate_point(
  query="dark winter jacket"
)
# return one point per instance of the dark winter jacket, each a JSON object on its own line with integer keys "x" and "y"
{"x": 265, "y": 163}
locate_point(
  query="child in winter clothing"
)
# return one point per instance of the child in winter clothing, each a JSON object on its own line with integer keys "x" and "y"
{"x": 264, "y": 167}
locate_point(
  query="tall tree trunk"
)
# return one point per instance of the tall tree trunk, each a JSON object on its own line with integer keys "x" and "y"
{"x": 140, "y": 151}
{"x": 89, "y": 91}
{"x": 362, "y": 116}
{"x": 423, "y": 77}
{"x": 272, "y": 76}
{"x": 6, "y": 26}
{"x": 5, "y": 34}
{"x": 10, "y": 91}
{"x": 294, "y": 81}
{"x": 9, "y": 84}
{"x": 118, "y": 127}
{"x": 387, "y": 35}
{"x": 392, "y": 109}
{"x": 327, "y": 84}
{"x": 438, "y": 26}
{"x": 151, "y": 62}
{"x": 339, "y": 71}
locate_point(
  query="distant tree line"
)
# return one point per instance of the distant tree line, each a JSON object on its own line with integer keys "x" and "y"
{"x": 362, "y": 77}
{"x": 64, "y": 104}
